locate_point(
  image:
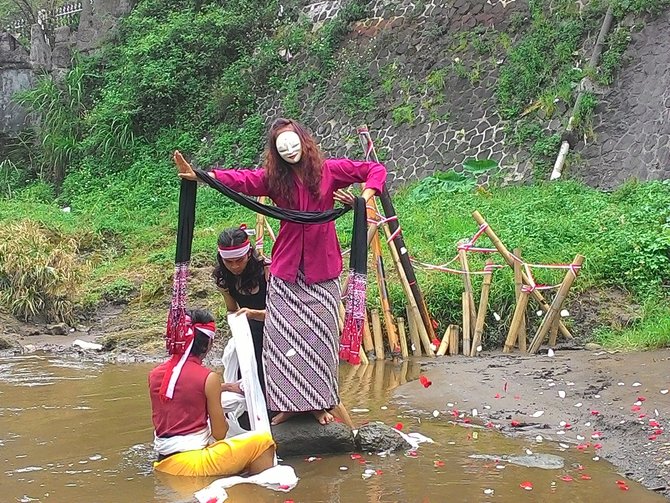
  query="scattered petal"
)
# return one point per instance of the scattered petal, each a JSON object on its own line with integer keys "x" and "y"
{"x": 664, "y": 392}
{"x": 636, "y": 385}
{"x": 528, "y": 486}
{"x": 343, "y": 468}
{"x": 595, "y": 413}
{"x": 488, "y": 492}
{"x": 585, "y": 477}
{"x": 539, "y": 439}
{"x": 561, "y": 394}
{"x": 436, "y": 413}
{"x": 566, "y": 478}
{"x": 398, "y": 426}
{"x": 550, "y": 353}
{"x": 565, "y": 313}
{"x": 496, "y": 316}
{"x": 538, "y": 413}
{"x": 578, "y": 404}
{"x": 437, "y": 463}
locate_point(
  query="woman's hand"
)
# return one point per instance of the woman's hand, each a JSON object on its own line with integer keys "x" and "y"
{"x": 233, "y": 387}
{"x": 185, "y": 170}
{"x": 252, "y": 314}
{"x": 344, "y": 196}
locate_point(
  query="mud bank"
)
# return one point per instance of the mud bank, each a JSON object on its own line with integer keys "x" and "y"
{"x": 608, "y": 405}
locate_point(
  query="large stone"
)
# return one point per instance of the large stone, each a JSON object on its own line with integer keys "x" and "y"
{"x": 377, "y": 437}
{"x": 304, "y": 436}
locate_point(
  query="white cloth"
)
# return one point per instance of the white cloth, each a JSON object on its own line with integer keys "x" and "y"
{"x": 181, "y": 443}
{"x": 239, "y": 355}
{"x": 278, "y": 478}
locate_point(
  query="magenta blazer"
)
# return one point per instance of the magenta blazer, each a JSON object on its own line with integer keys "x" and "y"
{"x": 314, "y": 245}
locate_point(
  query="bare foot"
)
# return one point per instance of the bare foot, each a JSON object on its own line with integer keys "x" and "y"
{"x": 323, "y": 416}
{"x": 281, "y": 417}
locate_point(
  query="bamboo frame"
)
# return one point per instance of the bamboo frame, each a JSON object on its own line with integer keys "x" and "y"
{"x": 377, "y": 334}
{"x": 483, "y": 305}
{"x": 368, "y": 344}
{"x": 519, "y": 314}
{"x": 518, "y": 284}
{"x": 537, "y": 295}
{"x": 554, "y": 312}
{"x": 444, "y": 345}
{"x": 467, "y": 285}
{"x": 403, "y": 337}
{"x": 412, "y": 307}
{"x": 413, "y": 333}
{"x": 553, "y": 334}
{"x": 398, "y": 241}
{"x": 387, "y": 312}
{"x": 466, "y": 325}
{"x": 453, "y": 339}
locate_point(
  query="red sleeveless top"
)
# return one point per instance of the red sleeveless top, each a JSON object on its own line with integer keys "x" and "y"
{"x": 187, "y": 411}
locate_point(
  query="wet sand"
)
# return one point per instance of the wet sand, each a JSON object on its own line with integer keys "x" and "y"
{"x": 607, "y": 405}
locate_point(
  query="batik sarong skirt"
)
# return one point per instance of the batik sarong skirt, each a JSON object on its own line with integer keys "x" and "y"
{"x": 300, "y": 347}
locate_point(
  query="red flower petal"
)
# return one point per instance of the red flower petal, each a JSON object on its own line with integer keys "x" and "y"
{"x": 497, "y": 395}
{"x": 515, "y": 424}
{"x": 566, "y": 478}
{"x": 398, "y": 426}
{"x": 597, "y": 446}
{"x": 585, "y": 477}
{"x": 641, "y": 399}
{"x": 652, "y": 437}
{"x": 438, "y": 463}
{"x": 528, "y": 486}
{"x": 635, "y": 408}
{"x": 595, "y": 413}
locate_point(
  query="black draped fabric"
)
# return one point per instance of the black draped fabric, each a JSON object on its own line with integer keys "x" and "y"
{"x": 295, "y": 216}
{"x": 354, "y": 300}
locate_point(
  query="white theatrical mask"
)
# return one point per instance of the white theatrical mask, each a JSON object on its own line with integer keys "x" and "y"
{"x": 289, "y": 146}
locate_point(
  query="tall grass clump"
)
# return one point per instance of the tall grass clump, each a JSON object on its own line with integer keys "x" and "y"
{"x": 39, "y": 271}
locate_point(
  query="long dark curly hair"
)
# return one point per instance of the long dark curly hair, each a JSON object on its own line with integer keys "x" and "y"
{"x": 278, "y": 171}
{"x": 249, "y": 280}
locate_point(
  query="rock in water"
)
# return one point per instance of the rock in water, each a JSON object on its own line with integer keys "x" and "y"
{"x": 377, "y": 437}
{"x": 304, "y": 436}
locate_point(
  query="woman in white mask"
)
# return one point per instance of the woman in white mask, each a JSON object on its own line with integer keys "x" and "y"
{"x": 300, "y": 351}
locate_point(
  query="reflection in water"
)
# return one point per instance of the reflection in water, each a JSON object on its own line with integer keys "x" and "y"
{"x": 80, "y": 432}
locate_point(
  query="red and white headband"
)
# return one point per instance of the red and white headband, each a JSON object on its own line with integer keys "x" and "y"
{"x": 237, "y": 251}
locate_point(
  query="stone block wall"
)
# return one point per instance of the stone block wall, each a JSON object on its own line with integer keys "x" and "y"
{"x": 632, "y": 127}
{"x": 16, "y": 74}
{"x": 632, "y": 121}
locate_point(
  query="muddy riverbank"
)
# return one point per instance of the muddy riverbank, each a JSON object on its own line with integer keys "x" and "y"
{"x": 607, "y": 405}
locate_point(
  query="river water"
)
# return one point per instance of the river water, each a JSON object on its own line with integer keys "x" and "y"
{"x": 76, "y": 432}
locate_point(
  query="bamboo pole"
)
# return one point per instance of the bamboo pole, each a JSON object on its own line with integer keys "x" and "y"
{"x": 403, "y": 337}
{"x": 260, "y": 228}
{"x": 413, "y": 333}
{"x": 368, "y": 345}
{"x": 398, "y": 240}
{"x": 554, "y": 312}
{"x": 467, "y": 284}
{"x": 377, "y": 334}
{"x": 376, "y": 246}
{"x": 466, "y": 324}
{"x": 271, "y": 232}
{"x": 519, "y": 314}
{"x": 444, "y": 345}
{"x": 518, "y": 284}
{"x": 412, "y": 307}
{"x": 537, "y": 295}
{"x": 553, "y": 333}
{"x": 403, "y": 371}
{"x": 483, "y": 305}
{"x": 453, "y": 339}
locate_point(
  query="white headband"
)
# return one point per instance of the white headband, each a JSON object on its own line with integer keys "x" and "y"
{"x": 233, "y": 252}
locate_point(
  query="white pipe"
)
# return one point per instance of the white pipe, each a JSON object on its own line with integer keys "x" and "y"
{"x": 558, "y": 165}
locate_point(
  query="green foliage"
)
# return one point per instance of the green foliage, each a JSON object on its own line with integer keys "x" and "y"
{"x": 61, "y": 108}
{"x": 623, "y": 7}
{"x": 451, "y": 181}
{"x": 612, "y": 57}
{"x": 543, "y": 59}
{"x": 356, "y": 88}
{"x": 583, "y": 117}
{"x": 403, "y": 114}
{"x": 39, "y": 271}
{"x": 119, "y": 291}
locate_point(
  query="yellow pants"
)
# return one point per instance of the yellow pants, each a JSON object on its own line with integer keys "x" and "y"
{"x": 223, "y": 458}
